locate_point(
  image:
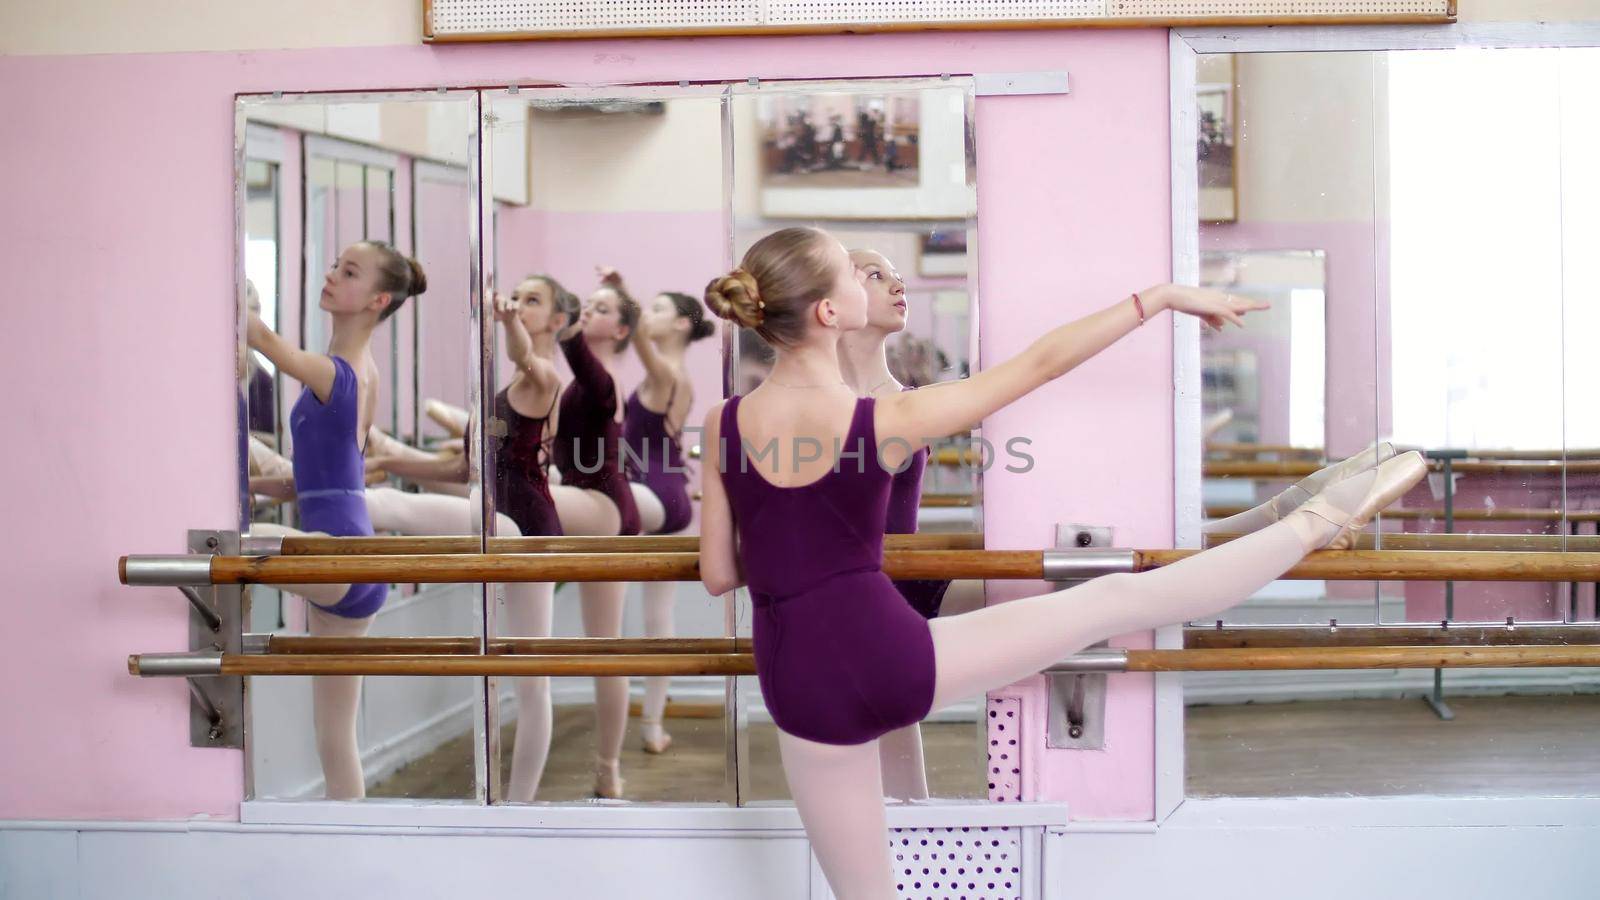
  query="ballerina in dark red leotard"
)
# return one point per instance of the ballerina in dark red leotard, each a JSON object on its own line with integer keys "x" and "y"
{"x": 651, "y": 428}
{"x": 842, "y": 658}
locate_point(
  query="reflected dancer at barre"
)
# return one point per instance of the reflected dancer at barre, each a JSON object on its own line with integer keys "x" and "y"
{"x": 366, "y": 285}
{"x": 841, "y": 657}
{"x": 653, "y": 458}
{"x": 588, "y": 456}
{"x": 864, "y": 363}
{"x": 532, "y": 317}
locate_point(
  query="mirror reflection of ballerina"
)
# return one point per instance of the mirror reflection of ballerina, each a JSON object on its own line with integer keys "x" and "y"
{"x": 365, "y": 286}
{"x": 588, "y": 456}
{"x": 532, "y": 317}
{"x": 863, "y": 361}
{"x": 651, "y": 428}
{"x": 402, "y": 512}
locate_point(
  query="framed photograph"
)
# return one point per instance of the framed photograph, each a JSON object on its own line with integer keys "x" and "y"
{"x": 1216, "y": 147}
{"x": 886, "y": 152}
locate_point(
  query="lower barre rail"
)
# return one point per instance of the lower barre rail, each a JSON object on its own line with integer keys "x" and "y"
{"x": 211, "y": 663}
{"x": 1055, "y": 565}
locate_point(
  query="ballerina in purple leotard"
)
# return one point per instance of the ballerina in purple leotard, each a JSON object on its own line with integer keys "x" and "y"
{"x": 842, "y": 658}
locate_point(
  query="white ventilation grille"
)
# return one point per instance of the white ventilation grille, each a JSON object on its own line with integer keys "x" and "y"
{"x": 462, "y": 17}
{"x": 957, "y": 863}
{"x": 1174, "y": 9}
{"x": 480, "y": 18}
{"x": 857, "y": 12}
{"x": 1005, "y": 749}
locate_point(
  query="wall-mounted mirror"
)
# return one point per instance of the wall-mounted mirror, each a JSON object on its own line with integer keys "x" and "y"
{"x": 889, "y": 169}
{"x": 356, "y": 304}
{"x": 1413, "y": 218}
{"x": 609, "y": 218}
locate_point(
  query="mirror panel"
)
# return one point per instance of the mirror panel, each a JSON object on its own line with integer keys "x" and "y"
{"x": 579, "y": 188}
{"x": 1455, "y": 300}
{"x": 885, "y": 166}
{"x": 324, "y": 178}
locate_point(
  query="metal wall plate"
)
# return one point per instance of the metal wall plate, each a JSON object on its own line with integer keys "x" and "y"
{"x": 1077, "y": 702}
{"x": 216, "y": 705}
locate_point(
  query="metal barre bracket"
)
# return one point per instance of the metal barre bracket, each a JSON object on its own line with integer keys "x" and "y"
{"x": 216, "y": 626}
{"x": 1076, "y": 702}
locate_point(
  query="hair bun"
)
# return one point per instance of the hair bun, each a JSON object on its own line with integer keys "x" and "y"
{"x": 737, "y": 298}
{"x": 419, "y": 280}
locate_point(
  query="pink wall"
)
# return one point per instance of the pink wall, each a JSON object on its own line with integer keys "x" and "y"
{"x": 1074, "y": 214}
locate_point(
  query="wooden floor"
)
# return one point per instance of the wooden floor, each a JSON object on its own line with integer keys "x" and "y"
{"x": 692, "y": 770}
{"x": 1495, "y": 747}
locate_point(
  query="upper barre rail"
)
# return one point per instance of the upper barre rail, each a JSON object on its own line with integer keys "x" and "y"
{"x": 317, "y": 545}
{"x": 214, "y": 663}
{"x": 1500, "y": 514}
{"x": 1245, "y": 449}
{"x": 1480, "y": 542}
{"x": 1051, "y": 565}
{"x": 1228, "y": 468}
{"x": 1412, "y": 634}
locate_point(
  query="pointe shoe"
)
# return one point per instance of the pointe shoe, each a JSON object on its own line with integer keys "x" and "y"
{"x": 1303, "y": 490}
{"x": 608, "y": 779}
{"x": 1393, "y": 479}
{"x": 656, "y": 739}
{"x": 450, "y": 418}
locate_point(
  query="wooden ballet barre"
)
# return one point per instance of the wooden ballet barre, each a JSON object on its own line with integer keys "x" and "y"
{"x": 310, "y": 545}
{"x": 503, "y": 568}
{"x": 1503, "y": 542}
{"x": 1507, "y": 514}
{"x": 1409, "y": 634}
{"x": 259, "y": 643}
{"x": 1421, "y": 565}
{"x": 1236, "y": 637}
{"x": 1048, "y": 565}
{"x": 213, "y": 663}
{"x": 1229, "y": 468}
{"x": 1586, "y": 453}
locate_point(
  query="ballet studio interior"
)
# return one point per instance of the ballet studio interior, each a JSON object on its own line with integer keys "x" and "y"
{"x": 801, "y": 449}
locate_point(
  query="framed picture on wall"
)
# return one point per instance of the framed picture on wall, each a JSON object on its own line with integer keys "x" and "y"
{"x": 1216, "y": 146}
{"x": 884, "y": 152}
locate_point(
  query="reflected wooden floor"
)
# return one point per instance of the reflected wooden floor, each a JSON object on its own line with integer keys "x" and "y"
{"x": 691, "y": 771}
{"x": 1496, "y": 747}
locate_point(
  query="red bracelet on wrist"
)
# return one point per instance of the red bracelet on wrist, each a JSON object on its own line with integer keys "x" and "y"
{"x": 1138, "y": 307}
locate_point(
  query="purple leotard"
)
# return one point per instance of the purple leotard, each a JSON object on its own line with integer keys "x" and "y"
{"x": 589, "y": 434}
{"x": 330, "y": 477}
{"x": 905, "y": 497}
{"x": 522, "y": 489}
{"x": 655, "y": 461}
{"x": 841, "y": 657}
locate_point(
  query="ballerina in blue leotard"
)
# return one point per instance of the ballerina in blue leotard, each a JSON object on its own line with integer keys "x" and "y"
{"x": 365, "y": 286}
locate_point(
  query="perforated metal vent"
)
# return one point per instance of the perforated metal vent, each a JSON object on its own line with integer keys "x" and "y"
{"x": 1005, "y": 756}
{"x": 812, "y": 12}
{"x": 488, "y": 18}
{"x": 1242, "y": 8}
{"x": 505, "y": 16}
{"x": 980, "y": 863}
